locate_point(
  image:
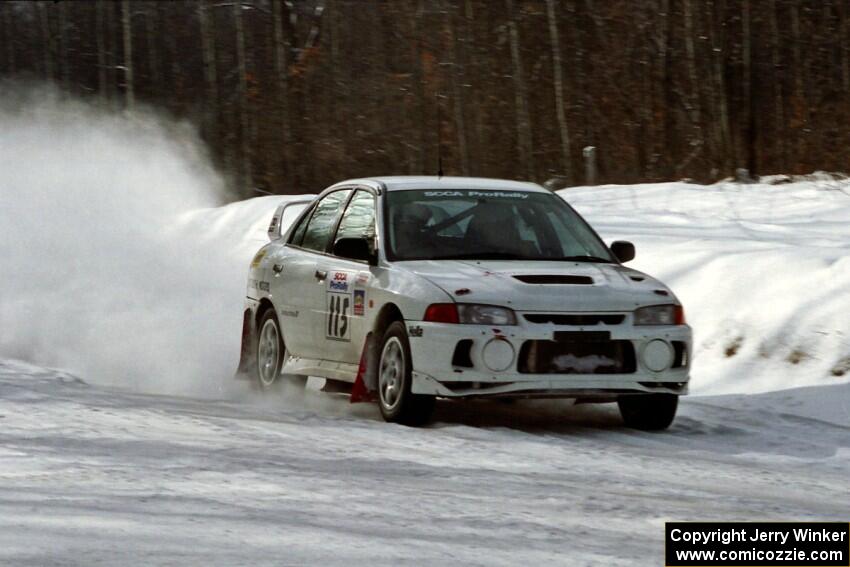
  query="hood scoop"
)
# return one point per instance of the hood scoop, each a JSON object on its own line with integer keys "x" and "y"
{"x": 555, "y": 279}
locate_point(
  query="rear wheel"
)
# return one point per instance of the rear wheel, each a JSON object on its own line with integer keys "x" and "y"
{"x": 395, "y": 370}
{"x": 271, "y": 354}
{"x": 648, "y": 412}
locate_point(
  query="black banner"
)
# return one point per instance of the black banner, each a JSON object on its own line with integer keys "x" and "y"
{"x": 757, "y": 544}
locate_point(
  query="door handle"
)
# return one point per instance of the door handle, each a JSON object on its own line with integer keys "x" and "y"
{"x": 277, "y": 269}
{"x": 321, "y": 275}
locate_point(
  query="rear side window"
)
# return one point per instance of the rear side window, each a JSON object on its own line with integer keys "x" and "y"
{"x": 298, "y": 233}
{"x": 318, "y": 229}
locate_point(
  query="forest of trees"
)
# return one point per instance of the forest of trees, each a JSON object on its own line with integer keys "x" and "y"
{"x": 293, "y": 95}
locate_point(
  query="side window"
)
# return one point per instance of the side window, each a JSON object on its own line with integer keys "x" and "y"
{"x": 318, "y": 229}
{"x": 358, "y": 221}
{"x": 298, "y": 233}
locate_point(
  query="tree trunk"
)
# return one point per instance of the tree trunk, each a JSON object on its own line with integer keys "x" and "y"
{"x": 210, "y": 72}
{"x": 126, "y": 22}
{"x": 778, "y": 102}
{"x": 244, "y": 125}
{"x": 694, "y": 104}
{"x": 151, "y": 13}
{"x": 333, "y": 80}
{"x": 796, "y": 42}
{"x": 724, "y": 141}
{"x": 111, "y": 35}
{"x": 172, "y": 74}
{"x": 100, "y": 33}
{"x": 563, "y": 128}
{"x": 64, "y": 58}
{"x": 46, "y": 39}
{"x": 419, "y": 117}
{"x": 457, "y": 95}
{"x": 10, "y": 39}
{"x": 524, "y": 141}
{"x": 749, "y": 103}
{"x": 844, "y": 46}
{"x": 281, "y": 61}
{"x": 472, "y": 69}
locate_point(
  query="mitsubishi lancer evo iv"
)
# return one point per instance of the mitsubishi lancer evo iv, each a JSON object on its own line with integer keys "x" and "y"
{"x": 417, "y": 288}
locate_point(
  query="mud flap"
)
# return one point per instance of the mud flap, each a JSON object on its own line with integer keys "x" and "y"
{"x": 365, "y": 385}
{"x": 247, "y": 358}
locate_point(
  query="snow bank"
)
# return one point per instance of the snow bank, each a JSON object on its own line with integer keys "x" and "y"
{"x": 763, "y": 271}
{"x": 114, "y": 261}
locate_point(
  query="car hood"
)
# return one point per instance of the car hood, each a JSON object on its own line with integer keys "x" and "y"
{"x": 570, "y": 286}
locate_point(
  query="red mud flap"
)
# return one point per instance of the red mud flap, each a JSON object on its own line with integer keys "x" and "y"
{"x": 360, "y": 392}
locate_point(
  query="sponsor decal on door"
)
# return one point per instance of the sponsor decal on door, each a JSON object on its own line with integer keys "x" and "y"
{"x": 359, "y": 302}
{"x": 339, "y": 307}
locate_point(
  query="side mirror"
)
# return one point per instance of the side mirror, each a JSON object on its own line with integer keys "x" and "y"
{"x": 624, "y": 251}
{"x": 355, "y": 249}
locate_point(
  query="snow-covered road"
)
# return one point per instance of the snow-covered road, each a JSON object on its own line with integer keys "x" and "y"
{"x": 92, "y": 475}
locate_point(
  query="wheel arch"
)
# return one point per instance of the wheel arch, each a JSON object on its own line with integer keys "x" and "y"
{"x": 264, "y": 305}
{"x": 389, "y": 313}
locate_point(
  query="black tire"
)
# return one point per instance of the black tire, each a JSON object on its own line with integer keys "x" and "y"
{"x": 267, "y": 371}
{"x": 400, "y": 406}
{"x": 648, "y": 412}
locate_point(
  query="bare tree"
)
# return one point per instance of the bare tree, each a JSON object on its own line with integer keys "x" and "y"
{"x": 558, "y": 70}
{"x": 776, "y": 59}
{"x": 46, "y": 38}
{"x": 242, "y": 69}
{"x": 127, "y": 28}
{"x": 64, "y": 58}
{"x": 101, "y": 38}
{"x": 524, "y": 142}
{"x": 151, "y": 17}
{"x": 749, "y": 96}
{"x": 457, "y": 94}
{"x": 796, "y": 50}
{"x": 418, "y": 118}
{"x": 10, "y": 38}
{"x": 210, "y": 75}
{"x": 723, "y": 143}
{"x": 844, "y": 46}
{"x": 281, "y": 49}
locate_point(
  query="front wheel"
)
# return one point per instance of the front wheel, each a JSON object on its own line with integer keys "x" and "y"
{"x": 271, "y": 353}
{"x": 395, "y": 375}
{"x": 648, "y": 412}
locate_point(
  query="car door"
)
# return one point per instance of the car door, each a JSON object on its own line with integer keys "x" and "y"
{"x": 347, "y": 287}
{"x": 298, "y": 283}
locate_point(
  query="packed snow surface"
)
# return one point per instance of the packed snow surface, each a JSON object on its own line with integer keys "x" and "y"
{"x": 121, "y": 267}
{"x": 98, "y": 476}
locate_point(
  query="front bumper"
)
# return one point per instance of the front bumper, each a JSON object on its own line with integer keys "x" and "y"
{"x": 436, "y": 372}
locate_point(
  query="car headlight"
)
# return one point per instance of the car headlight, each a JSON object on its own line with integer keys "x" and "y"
{"x": 474, "y": 314}
{"x": 470, "y": 314}
{"x": 660, "y": 315}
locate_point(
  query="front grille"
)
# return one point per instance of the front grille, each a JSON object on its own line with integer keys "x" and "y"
{"x": 578, "y": 319}
{"x": 577, "y": 356}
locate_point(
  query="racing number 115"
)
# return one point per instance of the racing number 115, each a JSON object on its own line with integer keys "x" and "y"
{"x": 338, "y": 314}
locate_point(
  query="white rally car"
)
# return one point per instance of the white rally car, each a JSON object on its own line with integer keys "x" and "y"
{"x": 414, "y": 288}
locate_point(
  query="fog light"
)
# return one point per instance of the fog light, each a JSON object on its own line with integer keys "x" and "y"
{"x": 498, "y": 355}
{"x": 657, "y": 355}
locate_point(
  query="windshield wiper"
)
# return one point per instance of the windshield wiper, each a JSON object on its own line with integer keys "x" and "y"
{"x": 482, "y": 256}
{"x": 586, "y": 259}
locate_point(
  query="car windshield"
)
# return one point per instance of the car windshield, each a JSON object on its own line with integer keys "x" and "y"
{"x": 482, "y": 225}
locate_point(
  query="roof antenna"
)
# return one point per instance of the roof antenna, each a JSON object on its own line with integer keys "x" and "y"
{"x": 439, "y": 139}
